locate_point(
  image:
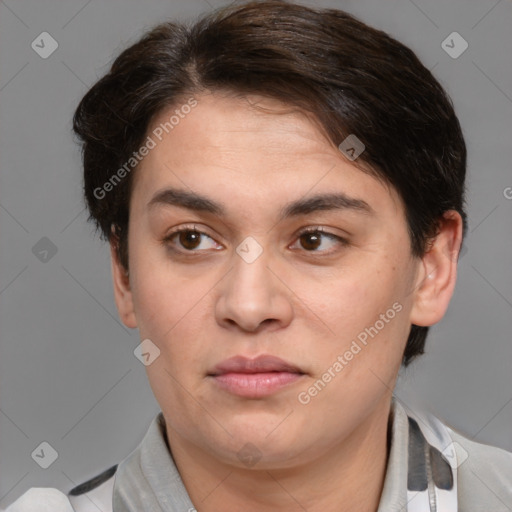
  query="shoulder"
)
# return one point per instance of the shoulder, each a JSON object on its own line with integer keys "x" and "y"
{"x": 93, "y": 495}
{"x": 41, "y": 499}
{"x": 484, "y": 475}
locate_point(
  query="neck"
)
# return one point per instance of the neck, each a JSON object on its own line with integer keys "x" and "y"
{"x": 348, "y": 478}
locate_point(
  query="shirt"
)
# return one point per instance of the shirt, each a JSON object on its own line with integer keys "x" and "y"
{"x": 430, "y": 468}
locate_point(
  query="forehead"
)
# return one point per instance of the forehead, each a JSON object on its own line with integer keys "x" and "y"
{"x": 246, "y": 149}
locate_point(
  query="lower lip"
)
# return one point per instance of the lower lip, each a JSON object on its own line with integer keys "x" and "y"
{"x": 255, "y": 385}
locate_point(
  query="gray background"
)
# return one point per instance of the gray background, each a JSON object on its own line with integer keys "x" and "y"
{"x": 67, "y": 369}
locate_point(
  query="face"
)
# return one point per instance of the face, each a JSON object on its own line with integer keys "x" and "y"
{"x": 235, "y": 273}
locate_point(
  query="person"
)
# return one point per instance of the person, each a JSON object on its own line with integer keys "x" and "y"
{"x": 283, "y": 191}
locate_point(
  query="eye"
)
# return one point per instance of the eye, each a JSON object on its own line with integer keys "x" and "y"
{"x": 188, "y": 239}
{"x": 312, "y": 239}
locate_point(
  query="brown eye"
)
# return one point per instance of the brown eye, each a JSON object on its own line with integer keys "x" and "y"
{"x": 189, "y": 239}
{"x": 312, "y": 239}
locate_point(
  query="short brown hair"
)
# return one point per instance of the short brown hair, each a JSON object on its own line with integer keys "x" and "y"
{"x": 352, "y": 78}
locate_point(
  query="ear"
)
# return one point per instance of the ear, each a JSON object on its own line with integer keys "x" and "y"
{"x": 122, "y": 290}
{"x": 436, "y": 278}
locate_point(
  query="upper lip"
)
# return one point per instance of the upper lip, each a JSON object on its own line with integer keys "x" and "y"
{"x": 260, "y": 364}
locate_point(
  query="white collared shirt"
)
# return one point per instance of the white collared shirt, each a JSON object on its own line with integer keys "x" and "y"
{"x": 431, "y": 468}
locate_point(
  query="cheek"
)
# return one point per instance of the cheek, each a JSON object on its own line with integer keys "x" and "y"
{"x": 366, "y": 313}
{"x": 172, "y": 311}
{"x": 166, "y": 308}
{"x": 161, "y": 295}
{"x": 352, "y": 300}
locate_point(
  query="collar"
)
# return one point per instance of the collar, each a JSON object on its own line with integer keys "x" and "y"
{"x": 421, "y": 473}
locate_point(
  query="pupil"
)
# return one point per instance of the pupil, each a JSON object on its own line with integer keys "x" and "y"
{"x": 312, "y": 236}
{"x": 190, "y": 239}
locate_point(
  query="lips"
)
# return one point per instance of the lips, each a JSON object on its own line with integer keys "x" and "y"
{"x": 261, "y": 364}
{"x": 255, "y": 378}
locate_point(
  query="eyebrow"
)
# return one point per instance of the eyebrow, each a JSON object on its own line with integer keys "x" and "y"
{"x": 319, "y": 202}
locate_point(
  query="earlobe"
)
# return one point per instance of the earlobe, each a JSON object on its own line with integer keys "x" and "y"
{"x": 438, "y": 272}
{"x": 122, "y": 289}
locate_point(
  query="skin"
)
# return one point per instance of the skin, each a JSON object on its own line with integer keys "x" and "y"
{"x": 302, "y": 299}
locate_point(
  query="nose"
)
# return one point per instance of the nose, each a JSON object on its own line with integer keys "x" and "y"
{"x": 254, "y": 295}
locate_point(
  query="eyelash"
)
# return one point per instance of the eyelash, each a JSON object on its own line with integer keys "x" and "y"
{"x": 167, "y": 241}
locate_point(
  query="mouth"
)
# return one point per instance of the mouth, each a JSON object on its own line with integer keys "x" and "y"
{"x": 255, "y": 378}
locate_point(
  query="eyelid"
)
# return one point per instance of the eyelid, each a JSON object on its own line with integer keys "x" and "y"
{"x": 343, "y": 241}
{"x": 186, "y": 227}
{"x": 315, "y": 229}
